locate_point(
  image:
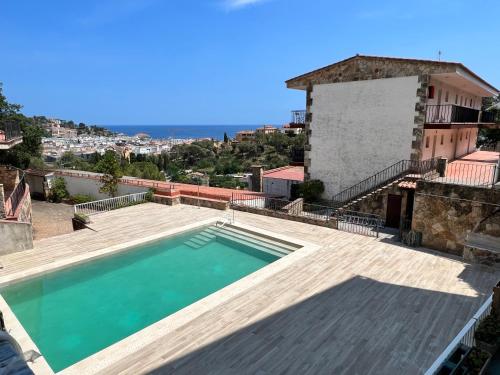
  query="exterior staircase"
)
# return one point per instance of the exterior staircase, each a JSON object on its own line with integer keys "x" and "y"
{"x": 384, "y": 179}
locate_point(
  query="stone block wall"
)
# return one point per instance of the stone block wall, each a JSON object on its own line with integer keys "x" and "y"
{"x": 446, "y": 213}
{"x": 205, "y": 202}
{"x": 25, "y": 212}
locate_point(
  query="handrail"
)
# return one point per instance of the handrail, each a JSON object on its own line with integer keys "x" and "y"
{"x": 465, "y": 336}
{"x": 346, "y": 220}
{"x": 16, "y": 196}
{"x": 109, "y": 204}
{"x": 391, "y": 173}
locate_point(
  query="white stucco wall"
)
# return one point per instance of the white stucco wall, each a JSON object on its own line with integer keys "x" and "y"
{"x": 278, "y": 187}
{"x": 455, "y": 95}
{"x": 80, "y": 185}
{"x": 359, "y": 128}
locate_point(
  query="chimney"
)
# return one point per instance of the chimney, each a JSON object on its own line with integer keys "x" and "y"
{"x": 257, "y": 178}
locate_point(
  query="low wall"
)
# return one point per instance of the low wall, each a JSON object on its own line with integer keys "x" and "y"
{"x": 446, "y": 213}
{"x": 167, "y": 200}
{"x": 15, "y": 237}
{"x": 205, "y": 202}
{"x": 91, "y": 185}
{"x": 332, "y": 223}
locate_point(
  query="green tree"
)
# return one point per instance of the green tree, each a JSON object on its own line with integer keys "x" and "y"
{"x": 109, "y": 165}
{"x": 226, "y": 138}
{"x": 22, "y": 154}
{"x": 58, "y": 191}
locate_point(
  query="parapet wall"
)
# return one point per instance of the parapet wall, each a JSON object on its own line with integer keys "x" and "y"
{"x": 16, "y": 236}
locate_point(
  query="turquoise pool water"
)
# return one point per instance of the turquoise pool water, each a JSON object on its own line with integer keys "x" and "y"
{"x": 73, "y": 313}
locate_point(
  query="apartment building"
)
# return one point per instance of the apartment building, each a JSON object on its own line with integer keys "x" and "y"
{"x": 366, "y": 113}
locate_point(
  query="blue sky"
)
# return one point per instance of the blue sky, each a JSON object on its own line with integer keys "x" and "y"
{"x": 216, "y": 61}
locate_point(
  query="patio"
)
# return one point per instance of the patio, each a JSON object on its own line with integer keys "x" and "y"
{"x": 352, "y": 304}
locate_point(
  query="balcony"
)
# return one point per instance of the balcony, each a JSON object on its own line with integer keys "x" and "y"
{"x": 298, "y": 117}
{"x": 449, "y": 114}
{"x": 10, "y": 136}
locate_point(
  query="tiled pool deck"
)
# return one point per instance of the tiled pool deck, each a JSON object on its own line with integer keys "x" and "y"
{"x": 345, "y": 304}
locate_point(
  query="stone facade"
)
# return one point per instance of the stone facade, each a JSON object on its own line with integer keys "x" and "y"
{"x": 376, "y": 203}
{"x": 445, "y": 214}
{"x": 25, "y": 211}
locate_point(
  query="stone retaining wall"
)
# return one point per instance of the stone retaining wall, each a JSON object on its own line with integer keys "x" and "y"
{"x": 282, "y": 215}
{"x": 446, "y": 213}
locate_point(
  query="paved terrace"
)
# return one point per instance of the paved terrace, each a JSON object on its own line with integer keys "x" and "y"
{"x": 354, "y": 305}
{"x": 477, "y": 168}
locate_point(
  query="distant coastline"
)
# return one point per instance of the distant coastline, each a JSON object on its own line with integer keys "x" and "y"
{"x": 181, "y": 131}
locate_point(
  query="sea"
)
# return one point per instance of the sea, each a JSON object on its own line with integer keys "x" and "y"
{"x": 181, "y": 131}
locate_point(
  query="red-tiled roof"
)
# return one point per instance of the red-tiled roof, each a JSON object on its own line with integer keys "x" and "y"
{"x": 294, "y": 173}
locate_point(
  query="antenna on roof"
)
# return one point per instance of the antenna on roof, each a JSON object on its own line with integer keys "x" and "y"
{"x": 439, "y": 55}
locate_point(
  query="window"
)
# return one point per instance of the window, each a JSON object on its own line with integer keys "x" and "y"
{"x": 467, "y": 135}
{"x": 470, "y": 103}
{"x": 451, "y": 139}
{"x": 430, "y": 93}
{"x": 456, "y": 99}
{"x": 442, "y": 139}
{"x": 461, "y": 100}
{"x": 446, "y": 96}
{"x": 427, "y": 140}
{"x": 461, "y": 136}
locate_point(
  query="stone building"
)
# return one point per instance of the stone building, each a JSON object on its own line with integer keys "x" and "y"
{"x": 376, "y": 125}
{"x": 367, "y": 113}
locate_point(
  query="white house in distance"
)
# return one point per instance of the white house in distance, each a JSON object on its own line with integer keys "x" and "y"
{"x": 278, "y": 182}
{"x": 366, "y": 113}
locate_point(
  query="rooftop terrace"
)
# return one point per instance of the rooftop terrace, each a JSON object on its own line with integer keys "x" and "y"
{"x": 350, "y": 304}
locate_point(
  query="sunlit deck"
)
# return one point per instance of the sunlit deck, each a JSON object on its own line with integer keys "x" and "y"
{"x": 352, "y": 304}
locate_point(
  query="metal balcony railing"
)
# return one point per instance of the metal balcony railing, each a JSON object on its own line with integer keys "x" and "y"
{"x": 299, "y": 117}
{"x": 449, "y": 113}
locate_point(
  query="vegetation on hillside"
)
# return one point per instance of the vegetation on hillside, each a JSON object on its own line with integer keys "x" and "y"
{"x": 490, "y": 136}
{"x": 29, "y": 152}
{"x": 218, "y": 160}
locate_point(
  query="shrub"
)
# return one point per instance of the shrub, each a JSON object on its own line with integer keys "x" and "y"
{"x": 488, "y": 330}
{"x": 58, "y": 192}
{"x": 312, "y": 190}
{"x": 82, "y": 217}
{"x": 82, "y": 198}
{"x": 475, "y": 360}
{"x": 149, "y": 195}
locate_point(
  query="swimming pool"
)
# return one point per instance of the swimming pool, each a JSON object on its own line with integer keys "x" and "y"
{"x": 75, "y": 312}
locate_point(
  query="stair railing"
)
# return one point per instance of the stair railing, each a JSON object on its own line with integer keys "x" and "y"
{"x": 397, "y": 170}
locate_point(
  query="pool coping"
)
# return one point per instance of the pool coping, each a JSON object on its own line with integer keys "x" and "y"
{"x": 133, "y": 343}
